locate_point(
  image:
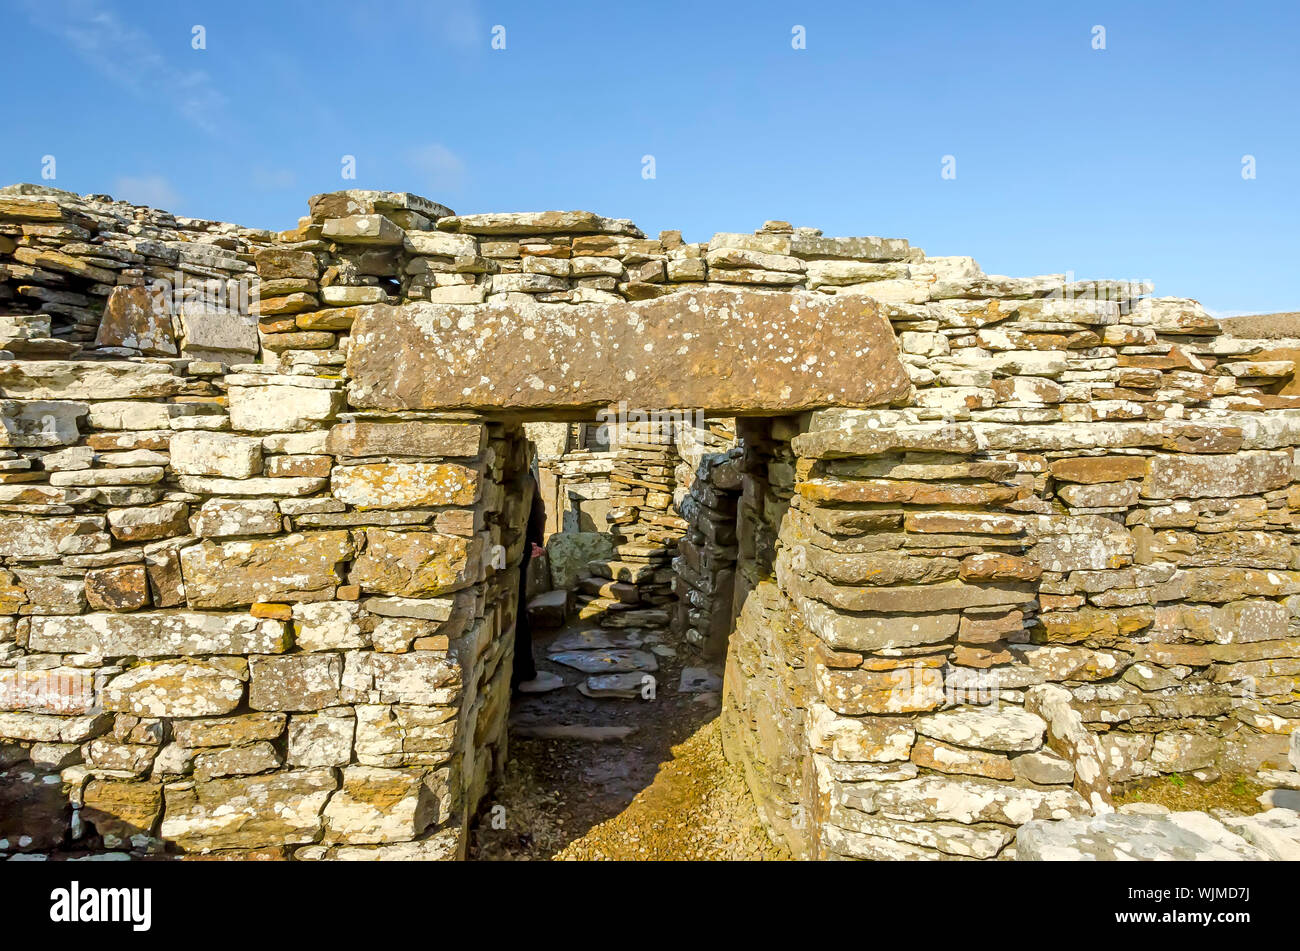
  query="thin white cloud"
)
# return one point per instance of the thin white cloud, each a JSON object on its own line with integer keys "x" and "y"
{"x": 438, "y": 166}
{"x": 130, "y": 59}
{"x": 152, "y": 190}
{"x": 273, "y": 179}
{"x": 444, "y": 23}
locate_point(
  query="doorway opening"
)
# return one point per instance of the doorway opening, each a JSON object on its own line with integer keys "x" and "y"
{"x": 630, "y": 608}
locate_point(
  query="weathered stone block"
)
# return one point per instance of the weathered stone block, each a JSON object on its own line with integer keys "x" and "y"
{"x": 299, "y": 567}
{"x": 119, "y": 588}
{"x": 869, "y": 632}
{"x": 40, "y": 423}
{"x": 123, "y": 813}
{"x": 157, "y": 634}
{"x": 1005, "y": 729}
{"x": 45, "y": 728}
{"x": 278, "y": 409}
{"x": 1198, "y": 477}
{"x": 963, "y": 800}
{"x": 381, "y": 805}
{"x": 26, "y": 537}
{"x": 165, "y": 520}
{"x": 179, "y": 688}
{"x": 216, "y": 454}
{"x": 416, "y": 564}
{"x": 718, "y": 349}
{"x": 324, "y": 740}
{"x": 222, "y": 518}
{"x": 139, "y": 318}
{"x": 282, "y": 808}
{"x": 56, "y": 690}
{"x": 87, "y": 380}
{"x": 406, "y": 485}
{"x": 362, "y": 229}
{"x": 217, "y": 333}
{"x": 280, "y": 263}
{"x": 420, "y": 677}
{"x": 245, "y": 760}
{"x": 295, "y": 682}
{"x": 363, "y": 437}
{"x": 328, "y": 625}
{"x": 858, "y": 692}
{"x": 859, "y": 740}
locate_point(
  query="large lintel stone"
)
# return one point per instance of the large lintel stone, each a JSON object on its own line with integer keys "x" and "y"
{"x": 726, "y": 351}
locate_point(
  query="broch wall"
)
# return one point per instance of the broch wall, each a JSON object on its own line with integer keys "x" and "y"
{"x": 984, "y": 547}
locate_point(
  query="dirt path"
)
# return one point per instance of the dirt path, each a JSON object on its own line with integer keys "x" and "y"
{"x": 663, "y": 792}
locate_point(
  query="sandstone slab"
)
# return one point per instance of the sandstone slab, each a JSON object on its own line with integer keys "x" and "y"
{"x": 247, "y": 812}
{"x": 139, "y": 318}
{"x": 416, "y": 564}
{"x": 157, "y": 634}
{"x": 381, "y": 805}
{"x": 1185, "y": 836}
{"x": 87, "y": 379}
{"x": 279, "y": 408}
{"x": 182, "y": 688}
{"x": 720, "y": 350}
{"x": 300, "y": 567}
{"x": 1006, "y": 729}
{"x": 405, "y": 485}
{"x": 406, "y": 437}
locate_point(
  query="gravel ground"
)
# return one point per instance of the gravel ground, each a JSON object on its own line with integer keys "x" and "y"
{"x": 663, "y": 793}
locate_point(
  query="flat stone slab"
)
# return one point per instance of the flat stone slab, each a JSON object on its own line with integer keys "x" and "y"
{"x": 621, "y": 686}
{"x": 1178, "y": 836}
{"x": 699, "y": 680}
{"x": 607, "y": 661}
{"x": 592, "y": 640}
{"x": 1275, "y": 833}
{"x": 726, "y": 351}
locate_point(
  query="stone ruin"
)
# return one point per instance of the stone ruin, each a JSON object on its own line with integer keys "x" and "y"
{"x": 975, "y": 549}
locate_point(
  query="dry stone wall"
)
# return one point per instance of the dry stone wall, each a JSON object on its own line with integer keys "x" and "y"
{"x": 1062, "y": 568}
{"x": 989, "y": 545}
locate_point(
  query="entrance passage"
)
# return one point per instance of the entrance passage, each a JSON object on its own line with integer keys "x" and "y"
{"x": 623, "y": 757}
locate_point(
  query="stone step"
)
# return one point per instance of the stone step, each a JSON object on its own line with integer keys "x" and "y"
{"x": 604, "y": 588}
{"x": 550, "y": 608}
{"x": 622, "y": 570}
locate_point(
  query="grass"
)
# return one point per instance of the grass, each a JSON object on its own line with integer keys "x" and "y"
{"x": 1181, "y": 794}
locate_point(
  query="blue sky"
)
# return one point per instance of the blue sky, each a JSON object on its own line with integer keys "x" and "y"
{"x": 1124, "y": 162}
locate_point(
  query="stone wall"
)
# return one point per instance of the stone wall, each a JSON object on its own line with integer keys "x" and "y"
{"x": 258, "y": 550}
{"x": 1061, "y": 568}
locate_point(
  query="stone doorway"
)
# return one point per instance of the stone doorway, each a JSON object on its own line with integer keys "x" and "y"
{"x": 634, "y": 619}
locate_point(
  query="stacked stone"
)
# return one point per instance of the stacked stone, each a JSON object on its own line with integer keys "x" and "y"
{"x": 223, "y": 594}
{"x": 982, "y": 641}
{"x": 241, "y": 573}
{"x": 705, "y": 569}
{"x": 644, "y": 528}
{"x": 76, "y": 269}
{"x": 765, "y": 688}
{"x": 356, "y": 248}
